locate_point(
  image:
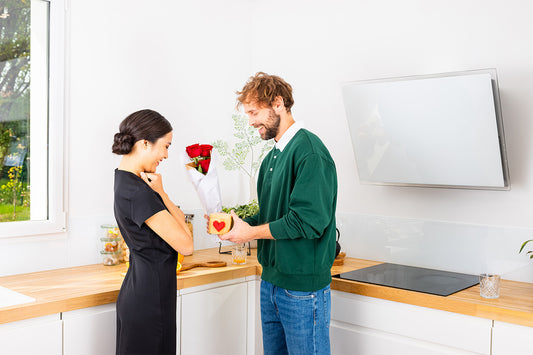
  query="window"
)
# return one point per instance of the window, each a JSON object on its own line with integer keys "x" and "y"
{"x": 31, "y": 117}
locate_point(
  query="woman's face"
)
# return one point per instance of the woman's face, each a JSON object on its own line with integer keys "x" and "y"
{"x": 157, "y": 152}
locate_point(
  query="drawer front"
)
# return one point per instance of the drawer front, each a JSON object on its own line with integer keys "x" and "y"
{"x": 440, "y": 327}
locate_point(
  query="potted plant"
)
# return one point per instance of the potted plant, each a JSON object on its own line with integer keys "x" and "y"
{"x": 245, "y": 210}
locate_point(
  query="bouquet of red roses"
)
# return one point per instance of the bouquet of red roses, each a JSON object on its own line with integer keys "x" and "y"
{"x": 200, "y": 156}
{"x": 200, "y": 164}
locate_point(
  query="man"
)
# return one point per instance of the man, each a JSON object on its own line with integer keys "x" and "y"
{"x": 295, "y": 226}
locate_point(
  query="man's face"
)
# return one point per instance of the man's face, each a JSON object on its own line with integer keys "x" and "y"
{"x": 264, "y": 119}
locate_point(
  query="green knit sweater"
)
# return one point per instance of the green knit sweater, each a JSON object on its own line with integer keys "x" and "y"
{"x": 297, "y": 193}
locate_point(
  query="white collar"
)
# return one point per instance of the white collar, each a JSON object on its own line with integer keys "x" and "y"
{"x": 287, "y": 136}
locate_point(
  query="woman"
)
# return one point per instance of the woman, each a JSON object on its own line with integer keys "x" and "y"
{"x": 154, "y": 230}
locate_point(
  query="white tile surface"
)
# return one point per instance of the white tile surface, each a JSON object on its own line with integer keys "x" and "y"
{"x": 458, "y": 247}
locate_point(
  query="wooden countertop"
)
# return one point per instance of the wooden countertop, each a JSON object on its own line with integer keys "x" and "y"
{"x": 74, "y": 288}
{"x": 68, "y": 289}
{"x": 515, "y": 304}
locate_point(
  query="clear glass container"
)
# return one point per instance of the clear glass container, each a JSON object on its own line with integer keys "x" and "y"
{"x": 125, "y": 250}
{"x": 188, "y": 221}
{"x": 238, "y": 254}
{"x": 111, "y": 258}
{"x": 489, "y": 285}
{"x": 111, "y": 244}
{"x": 109, "y": 231}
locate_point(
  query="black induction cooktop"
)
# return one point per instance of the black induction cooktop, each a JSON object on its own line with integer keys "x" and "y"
{"x": 436, "y": 282}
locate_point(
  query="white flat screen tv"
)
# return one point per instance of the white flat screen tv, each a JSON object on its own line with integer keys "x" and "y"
{"x": 443, "y": 130}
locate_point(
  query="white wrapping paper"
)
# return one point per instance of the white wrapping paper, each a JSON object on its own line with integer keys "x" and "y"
{"x": 206, "y": 186}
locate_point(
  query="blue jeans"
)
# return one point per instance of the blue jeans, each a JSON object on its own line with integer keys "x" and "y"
{"x": 295, "y": 322}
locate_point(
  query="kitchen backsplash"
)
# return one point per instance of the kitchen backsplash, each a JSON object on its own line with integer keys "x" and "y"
{"x": 440, "y": 245}
{"x": 459, "y": 247}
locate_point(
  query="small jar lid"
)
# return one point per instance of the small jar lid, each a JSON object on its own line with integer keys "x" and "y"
{"x": 103, "y": 252}
{"x": 109, "y": 239}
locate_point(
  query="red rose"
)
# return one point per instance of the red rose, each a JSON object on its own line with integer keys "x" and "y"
{"x": 193, "y": 150}
{"x": 204, "y": 164}
{"x": 206, "y": 150}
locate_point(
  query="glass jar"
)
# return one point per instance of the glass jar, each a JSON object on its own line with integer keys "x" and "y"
{"x": 188, "y": 220}
{"x": 125, "y": 250}
{"x": 111, "y": 244}
{"x": 109, "y": 231}
{"x": 238, "y": 253}
{"x": 111, "y": 258}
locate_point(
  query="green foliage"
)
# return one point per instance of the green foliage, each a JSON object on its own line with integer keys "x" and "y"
{"x": 6, "y": 213}
{"x": 14, "y": 51}
{"x": 15, "y": 29}
{"x": 14, "y": 190}
{"x": 530, "y": 252}
{"x": 5, "y": 140}
{"x": 250, "y": 143}
{"x": 244, "y": 211}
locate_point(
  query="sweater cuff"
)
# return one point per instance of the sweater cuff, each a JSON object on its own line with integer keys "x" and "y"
{"x": 277, "y": 229}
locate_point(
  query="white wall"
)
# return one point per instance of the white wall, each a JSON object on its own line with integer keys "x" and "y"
{"x": 186, "y": 59}
{"x": 322, "y": 44}
{"x": 183, "y": 59}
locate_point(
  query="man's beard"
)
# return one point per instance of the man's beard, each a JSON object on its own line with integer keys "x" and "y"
{"x": 272, "y": 126}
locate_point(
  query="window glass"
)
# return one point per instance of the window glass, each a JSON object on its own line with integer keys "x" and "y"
{"x": 28, "y": 151}
{"x": 15, "y": 74}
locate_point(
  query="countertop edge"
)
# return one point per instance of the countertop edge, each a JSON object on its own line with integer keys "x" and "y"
{"x": 515, "y": 304}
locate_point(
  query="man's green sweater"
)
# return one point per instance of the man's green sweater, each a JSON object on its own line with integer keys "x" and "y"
{"x": 297, "y": 193}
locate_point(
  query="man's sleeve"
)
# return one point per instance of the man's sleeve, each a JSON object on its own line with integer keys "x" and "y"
{"x": 252, "y": 220}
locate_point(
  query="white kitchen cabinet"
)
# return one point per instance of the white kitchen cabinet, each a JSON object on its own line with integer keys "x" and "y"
{"x": 365, "y": 325}
{"x": 254, "y": 333}
{"x": 214, "y": 319}
{"x": 40, "y": 335}
{"x": 90, "y": 330}
{"x": 511, "y": 339}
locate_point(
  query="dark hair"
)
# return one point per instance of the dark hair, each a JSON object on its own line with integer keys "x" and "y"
{"x": 143, "y": 124}
{"x": 264, "y": 88}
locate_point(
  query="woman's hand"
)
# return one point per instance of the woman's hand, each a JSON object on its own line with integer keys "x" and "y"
{"x": 155, "y": 181}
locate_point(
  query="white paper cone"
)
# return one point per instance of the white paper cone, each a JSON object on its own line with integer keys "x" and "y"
{"x": 206, "y": 186}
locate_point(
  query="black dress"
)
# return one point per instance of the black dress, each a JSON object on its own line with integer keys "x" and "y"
{"x": 146, "y": 304}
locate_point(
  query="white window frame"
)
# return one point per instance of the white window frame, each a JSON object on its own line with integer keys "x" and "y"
{"x": 56, "y": 221}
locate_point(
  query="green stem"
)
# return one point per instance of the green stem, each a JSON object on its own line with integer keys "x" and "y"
{"x": 252, "y": 160}
{"x": 239, "y": 165}
{"x": 248, "y": 139}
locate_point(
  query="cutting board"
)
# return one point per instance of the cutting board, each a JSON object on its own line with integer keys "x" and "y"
{"x": 214, "y": 263}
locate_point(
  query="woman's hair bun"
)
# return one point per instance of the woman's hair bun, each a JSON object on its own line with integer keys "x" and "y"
{"x": 123, "y": 143}
{"x": 144, "y": 124}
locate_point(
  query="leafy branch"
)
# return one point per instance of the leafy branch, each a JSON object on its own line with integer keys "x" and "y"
{"x": 249, "y": 139}
{"x": 523, "y": 246}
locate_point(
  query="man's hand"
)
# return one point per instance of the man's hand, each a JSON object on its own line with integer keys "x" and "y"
{"x": 240, "y": 233}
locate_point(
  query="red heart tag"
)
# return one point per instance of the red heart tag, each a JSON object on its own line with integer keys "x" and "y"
{"x": 219, "y": 225}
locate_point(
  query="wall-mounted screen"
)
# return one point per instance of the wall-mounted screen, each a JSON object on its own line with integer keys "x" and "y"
{"x": 441, "y": 130}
